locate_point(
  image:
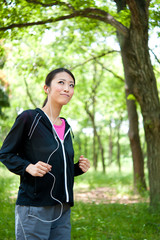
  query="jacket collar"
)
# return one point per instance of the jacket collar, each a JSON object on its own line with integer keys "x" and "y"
{"x": 47, "y": 122}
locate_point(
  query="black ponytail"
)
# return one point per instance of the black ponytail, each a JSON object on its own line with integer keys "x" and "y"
{"x": 45, "y": 101}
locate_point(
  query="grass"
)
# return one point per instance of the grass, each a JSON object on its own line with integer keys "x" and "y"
{"x": 91, "y": 221}
{"x": 115, "y": 222}
{"x": 8, "y": 189}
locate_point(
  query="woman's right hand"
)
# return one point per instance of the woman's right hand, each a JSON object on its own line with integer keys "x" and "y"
{"x": 39, "y": 169}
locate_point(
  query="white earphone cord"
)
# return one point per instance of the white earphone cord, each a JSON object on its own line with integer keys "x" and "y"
{"x": 61, "y": 211}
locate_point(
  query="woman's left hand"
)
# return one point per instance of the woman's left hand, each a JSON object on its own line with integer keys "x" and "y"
{"x": 84, "y": 163}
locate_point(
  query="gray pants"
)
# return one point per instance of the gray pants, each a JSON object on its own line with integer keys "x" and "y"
{"x": 42, "y": 223}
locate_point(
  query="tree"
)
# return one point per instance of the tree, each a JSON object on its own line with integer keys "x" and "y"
{"x": 135, "y": 143}
{"x": 142, "y": 84}
{"x": 133, "y": 39}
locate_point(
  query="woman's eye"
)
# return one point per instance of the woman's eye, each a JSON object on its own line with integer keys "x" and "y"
{"x": 61, "y": 82}
{"x": 72, "y": 85}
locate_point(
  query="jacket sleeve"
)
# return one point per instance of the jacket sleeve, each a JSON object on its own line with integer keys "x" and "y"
{"x": 77, "y": 170}
{"x": 12, "y": 146}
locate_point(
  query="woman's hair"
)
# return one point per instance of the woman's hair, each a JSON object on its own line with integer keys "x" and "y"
{"x": 51, "y": 76}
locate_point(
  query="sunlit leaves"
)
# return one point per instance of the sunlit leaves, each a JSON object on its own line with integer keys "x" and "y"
{"x": 154, "y": 19}
{"x": 124, "y": 17}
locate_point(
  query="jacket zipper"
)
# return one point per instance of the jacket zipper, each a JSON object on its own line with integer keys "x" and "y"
{"x": 64, "y": 157}
{"x": 65, "y": 166}
{"x": 65, "y": 172}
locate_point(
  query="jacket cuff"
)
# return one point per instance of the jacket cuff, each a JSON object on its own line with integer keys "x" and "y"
{"x": 77, "y": 170}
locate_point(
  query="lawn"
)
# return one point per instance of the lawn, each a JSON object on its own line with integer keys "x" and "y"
{"x": 114, "y": 222}
{"x": 91, "y": 220}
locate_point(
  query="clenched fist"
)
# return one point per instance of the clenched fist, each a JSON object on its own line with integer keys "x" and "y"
{"x": 39, "y": 169}
{"x": 84, "y": 163}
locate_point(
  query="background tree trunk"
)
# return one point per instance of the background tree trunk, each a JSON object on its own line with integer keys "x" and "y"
{"x": 135, "y": 55}
{"x": 134, "y": 138}
{"x": 110, "y": 144}
{"x": 118, "y": 145}
{"x": 137, "y": 154}
{"x": 101, "y": 148}
{"x": 94, "y": 146}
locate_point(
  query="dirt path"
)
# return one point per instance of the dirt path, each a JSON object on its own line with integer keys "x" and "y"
{"x": 105, "y": 195}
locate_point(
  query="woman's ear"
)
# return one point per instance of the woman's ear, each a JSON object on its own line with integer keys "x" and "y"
{"x": 46, "y": 89}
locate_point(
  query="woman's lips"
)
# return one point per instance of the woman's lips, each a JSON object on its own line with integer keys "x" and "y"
{"x": 65, "y": 95}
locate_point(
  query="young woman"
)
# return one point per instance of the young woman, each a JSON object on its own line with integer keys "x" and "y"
{"x": 39, "y": 149}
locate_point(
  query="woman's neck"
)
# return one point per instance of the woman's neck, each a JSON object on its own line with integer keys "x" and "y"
{"x": 53, "y": 113}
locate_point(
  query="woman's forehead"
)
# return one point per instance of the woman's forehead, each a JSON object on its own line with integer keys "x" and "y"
{"x": 63, "y": 76}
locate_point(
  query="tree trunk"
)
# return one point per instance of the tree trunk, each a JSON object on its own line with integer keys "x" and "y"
{"x": 102, "y": 152}
{"x": 118, "y": 146}
{"x": 137, "y": 154}
{"x": 134, "y": 138}
{"x": 94, "y": 147}
{"x": 86, "y": 146}
{"x": 142, "y": 83}
{"x": 110, "y": 149}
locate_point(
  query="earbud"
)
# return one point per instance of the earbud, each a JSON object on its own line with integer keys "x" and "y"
{"x": 47, "y": 90}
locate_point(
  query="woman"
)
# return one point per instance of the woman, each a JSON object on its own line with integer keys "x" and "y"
{"x": 39, "y": 149}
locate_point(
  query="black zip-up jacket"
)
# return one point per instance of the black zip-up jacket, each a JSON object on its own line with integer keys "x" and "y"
{"x": 31, "y": 139}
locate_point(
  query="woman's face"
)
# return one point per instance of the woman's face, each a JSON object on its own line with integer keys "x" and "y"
{"x": 61, "y": 89}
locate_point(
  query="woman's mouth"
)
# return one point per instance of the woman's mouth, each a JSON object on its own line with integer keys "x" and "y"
{"x": 65, "y": 95}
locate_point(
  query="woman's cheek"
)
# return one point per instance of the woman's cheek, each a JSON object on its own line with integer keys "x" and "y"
{"x": 72, "y": 92}
{"x": 58, "y": 89}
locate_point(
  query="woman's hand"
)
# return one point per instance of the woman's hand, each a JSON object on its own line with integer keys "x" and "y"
{"x": 84, "y": 164}
{"x": 39, "y": 169}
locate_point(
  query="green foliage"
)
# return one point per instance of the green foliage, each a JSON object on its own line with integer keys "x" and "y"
{"x": 131, "y": 97}
{"x": 81, "y": 4}
{"x": 154, "y": 20}
{"x": 124, "y": 16}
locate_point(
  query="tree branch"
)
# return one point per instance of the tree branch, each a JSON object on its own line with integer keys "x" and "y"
{"x": 28, "y": 93}
{"x": 108, "y": 70}
{"x": 107, "y": 18}
{"x": 93, "y": 58}
{"x": 155, "y": 55}
{"x": 43, "y": 22}
{"x": 93, "y": 13}
{"x": 96, "y": 59}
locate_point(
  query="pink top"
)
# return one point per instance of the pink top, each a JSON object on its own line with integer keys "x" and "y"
{"x": 60, "y": 129}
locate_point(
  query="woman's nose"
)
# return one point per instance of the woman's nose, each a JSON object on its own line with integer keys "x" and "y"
{"x": 66, "y": 88}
